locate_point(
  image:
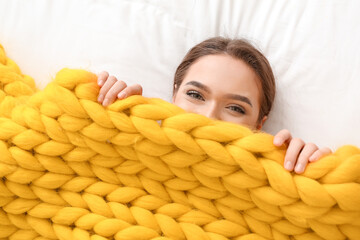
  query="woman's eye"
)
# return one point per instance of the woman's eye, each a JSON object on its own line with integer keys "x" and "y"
{"x": 195, "y": 95}
{"x": 237, "y": 109}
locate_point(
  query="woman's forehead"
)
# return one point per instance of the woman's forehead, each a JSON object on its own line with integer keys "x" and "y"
{"x": 223, "y": 72}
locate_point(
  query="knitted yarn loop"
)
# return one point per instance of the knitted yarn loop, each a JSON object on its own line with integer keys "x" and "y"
{"x": 143, "y": 168}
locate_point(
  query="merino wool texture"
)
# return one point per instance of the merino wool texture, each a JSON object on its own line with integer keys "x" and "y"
{"x": 143, "y": 168}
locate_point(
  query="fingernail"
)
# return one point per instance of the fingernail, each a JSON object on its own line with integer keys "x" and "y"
{"x": 100, "y": 82}
{"x": 276, "y": 141}
{"x": 100, "y": 98}
{"x": 121, "y": 95}
{"x": 288, "y": 166}
{"x": 106, "y": 102}
{"x": 299, "y": 168}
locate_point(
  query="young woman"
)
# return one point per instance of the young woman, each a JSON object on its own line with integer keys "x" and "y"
{"x": 229, "y": 80}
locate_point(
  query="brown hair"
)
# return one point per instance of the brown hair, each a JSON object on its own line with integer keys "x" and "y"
{"x": 239, "y": 49}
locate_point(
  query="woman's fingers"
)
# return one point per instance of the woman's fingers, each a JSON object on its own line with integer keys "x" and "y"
{"x": 298, "y": 154}
{"x": 320, "y": 153}
{"x": 281, "y": 137}
{"x": 103, "y": 76}
{"x": 292, "y": 153}
{"x": 304, "y": 156}
{"x": 121, "y": 90}
{"x": 111, "y": 88}
{"x": 109, "y": 82}
{"x": 113, "y": 92}
{"x": 129, "y": 91}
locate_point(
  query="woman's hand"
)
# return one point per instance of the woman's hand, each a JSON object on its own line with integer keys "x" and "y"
{"x": 111, "y": 88}
{"x": 298, "y": 153}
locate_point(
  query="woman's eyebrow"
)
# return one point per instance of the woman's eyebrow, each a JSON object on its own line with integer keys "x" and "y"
{"x": 240, "y": 98}
{"x": 199, "y": 85}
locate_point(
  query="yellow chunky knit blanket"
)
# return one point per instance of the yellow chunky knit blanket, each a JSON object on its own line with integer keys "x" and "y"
{"x": 145, "y": 169}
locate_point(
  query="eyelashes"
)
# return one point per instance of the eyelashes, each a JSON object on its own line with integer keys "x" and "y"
{"x": 199, "y": 97}
{"x": 236, "y": 109}
{"x": 195, "y": 94}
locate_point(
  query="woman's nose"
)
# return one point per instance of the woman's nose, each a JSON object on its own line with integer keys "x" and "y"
{"x": 211, "y": 112}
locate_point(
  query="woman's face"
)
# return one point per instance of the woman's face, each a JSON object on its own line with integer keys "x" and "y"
{"x": 221, "y": 87}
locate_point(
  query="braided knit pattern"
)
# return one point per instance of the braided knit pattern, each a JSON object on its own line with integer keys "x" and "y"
{"x": 145, "y": 169}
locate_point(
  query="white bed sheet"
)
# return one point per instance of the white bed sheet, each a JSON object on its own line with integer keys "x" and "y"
{"x": 311, "y": 45}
